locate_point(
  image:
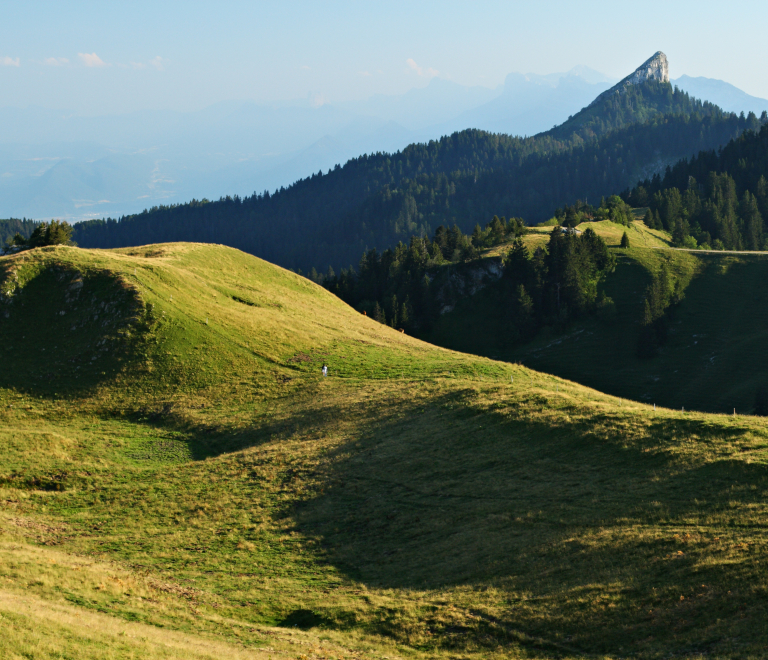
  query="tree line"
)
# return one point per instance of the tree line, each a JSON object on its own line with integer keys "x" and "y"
{"x": 43, "y": 234}
{"x": 409, "y": 286}
{"x": 614, "y": 209}
{"x": 381, "y": 199}
{"x": 715, "y": 200}
{"x": 12, "y": 226}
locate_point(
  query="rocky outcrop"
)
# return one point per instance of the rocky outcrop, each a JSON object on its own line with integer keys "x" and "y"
{"x": 464, "y": 280}
{"x": 655, "y": 68}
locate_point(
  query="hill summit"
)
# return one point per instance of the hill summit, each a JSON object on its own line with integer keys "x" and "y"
{"x": 654, "y": 68}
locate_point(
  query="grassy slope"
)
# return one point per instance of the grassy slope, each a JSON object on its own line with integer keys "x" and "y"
{"x": 198, "y": 490}
{"x": 714, "y": 359}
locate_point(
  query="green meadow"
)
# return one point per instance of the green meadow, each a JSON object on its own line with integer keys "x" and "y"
{"x": 714, "y": 359}
{"x": 178, "y": 480}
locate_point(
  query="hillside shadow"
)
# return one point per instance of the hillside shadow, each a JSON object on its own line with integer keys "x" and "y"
{"x": 209, "y": 439}
{"x": 536, "y": 520}
{"x": 436, "y": 499}
{"x": 64, "y": 332}
{"x": 400, "y": 497}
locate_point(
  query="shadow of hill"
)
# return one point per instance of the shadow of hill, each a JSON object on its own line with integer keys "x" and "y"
{"x": 213, "y": 436}
{"x": 713, "y": 360}
{"x": 488, "y": 516}
{"x": 558, "y": 518}
{"x": 64, "y": 332}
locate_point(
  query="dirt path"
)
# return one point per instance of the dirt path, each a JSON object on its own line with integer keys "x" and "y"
{"x": 660, "y": 247}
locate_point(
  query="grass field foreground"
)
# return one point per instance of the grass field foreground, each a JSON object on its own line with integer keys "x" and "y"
{"x": 178, "y": 480}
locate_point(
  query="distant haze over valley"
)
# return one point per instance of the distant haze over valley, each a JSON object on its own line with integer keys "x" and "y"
{"x": 64, "y": 165}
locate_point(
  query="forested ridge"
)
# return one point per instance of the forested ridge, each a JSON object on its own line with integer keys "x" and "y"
{"x": 464, "y": 179}
{"x": 12, "y": 226}
{"x": 716, "y": 199}
{"x": 408, "y": 287}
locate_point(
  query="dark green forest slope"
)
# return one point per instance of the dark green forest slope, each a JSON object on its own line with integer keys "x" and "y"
{"x": 12, "y": 226}
{"x": 718, "y": 199}
{"x": 376, "y": 200}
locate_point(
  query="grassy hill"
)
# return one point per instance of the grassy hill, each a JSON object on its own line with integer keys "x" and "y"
{"x": 179, "y": 481}
{"x": 714, "y": 359}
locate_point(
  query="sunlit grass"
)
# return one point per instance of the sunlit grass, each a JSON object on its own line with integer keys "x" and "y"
{"x": 215, "y": 495}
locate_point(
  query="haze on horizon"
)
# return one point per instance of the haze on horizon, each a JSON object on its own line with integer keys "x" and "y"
{"x": 97, "y": 58}
{"x": 108, "y": 109}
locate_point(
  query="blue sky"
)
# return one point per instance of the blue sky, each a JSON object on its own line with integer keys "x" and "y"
{"x": 107, "y": 57}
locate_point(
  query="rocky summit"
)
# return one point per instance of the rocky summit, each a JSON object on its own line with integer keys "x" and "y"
{"x": 655, "y": 68}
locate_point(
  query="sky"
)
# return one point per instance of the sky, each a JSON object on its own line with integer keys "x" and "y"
{"x": 112, "y": 57}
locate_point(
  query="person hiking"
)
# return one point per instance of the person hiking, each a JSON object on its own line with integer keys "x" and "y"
{"x": 325, "y": 370}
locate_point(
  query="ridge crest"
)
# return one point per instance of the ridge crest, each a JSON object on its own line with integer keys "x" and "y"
{"x": 654, "y": 68}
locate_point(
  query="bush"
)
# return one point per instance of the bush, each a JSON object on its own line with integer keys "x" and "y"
{"x": 690, "y": 243}
{"x": 606, "y": 308}
{"x": 46, "y": 233}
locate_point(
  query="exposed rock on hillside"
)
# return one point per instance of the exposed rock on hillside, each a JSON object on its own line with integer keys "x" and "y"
{"x": 656, "y": 68}
{"x": 465, "y": 280}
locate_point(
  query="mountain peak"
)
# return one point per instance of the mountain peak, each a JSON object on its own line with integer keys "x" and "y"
{"x": 654, "y": 68}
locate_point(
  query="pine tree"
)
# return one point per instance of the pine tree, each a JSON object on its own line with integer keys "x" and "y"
{"x": 524, "y": 308}
{"x": 59, "y": 233}
{"x": 38, "y": 236}
{"x": 497, "y": 230}
{"x": 648, "y": 219}
{"x": 680, "y": 231}
{"x": 624, "y": 240}
{"x": 455, "y": 244}
{"x": 393, "y": 311}
{"x": 378, "y": 314}
{"x": 571, "y": 217}
{"x": 477, "y": 236}
{"x": 752, "y": 222}
{"x": 517, "y": 264}
{"x": 441, "y": 241}
{"x": 405, "y": 316}
{"x": 762, "y": 195}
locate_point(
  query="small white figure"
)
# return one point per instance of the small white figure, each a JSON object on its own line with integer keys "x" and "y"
{"x": 325, "y": 370}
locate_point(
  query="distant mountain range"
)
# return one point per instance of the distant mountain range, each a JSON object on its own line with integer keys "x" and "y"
{"x": 634, "y": 130}
{"x": 56, "y": 164}
{"x": 721, "y": 93}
